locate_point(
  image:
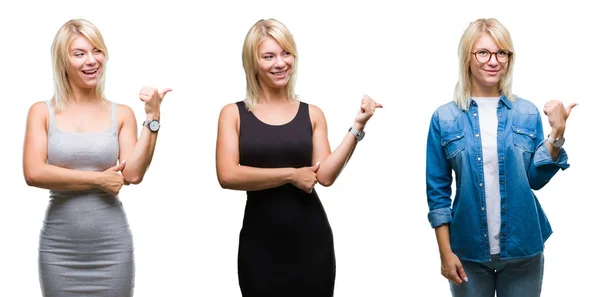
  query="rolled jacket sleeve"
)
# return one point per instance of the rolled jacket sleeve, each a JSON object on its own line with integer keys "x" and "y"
{"x": 440, "y": 216}
{"x": 542, "y": 157}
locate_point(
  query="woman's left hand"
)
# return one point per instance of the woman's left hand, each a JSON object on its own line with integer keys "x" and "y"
{"x": 557, "y": 116}
{"x": 367, "y": 109}
{"x": 152, "y": 99}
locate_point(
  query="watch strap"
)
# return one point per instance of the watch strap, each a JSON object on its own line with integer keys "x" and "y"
{"x": 359, "y": 135}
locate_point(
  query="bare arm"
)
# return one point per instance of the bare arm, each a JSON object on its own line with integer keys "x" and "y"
{"x": 234, "y": 176}
{"x": 451, "y": 267}
{"x": 136, "y": 152}
{"x": 39, "y": 174}
{"x": 332, "y": 164}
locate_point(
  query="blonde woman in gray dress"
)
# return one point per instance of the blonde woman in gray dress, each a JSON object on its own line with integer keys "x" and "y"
{"x": 84, "y": 148}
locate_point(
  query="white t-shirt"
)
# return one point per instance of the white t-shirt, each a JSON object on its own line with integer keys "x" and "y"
{"x": 488, "y": 126}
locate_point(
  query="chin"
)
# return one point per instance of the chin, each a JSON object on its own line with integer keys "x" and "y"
{"x": 493, "y": 82}
{"x": 89, "y": 85}
{"x": 280, "y": 84}
{"x": 490, "y": 80}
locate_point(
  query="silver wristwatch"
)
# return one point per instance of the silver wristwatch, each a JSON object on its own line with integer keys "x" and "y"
{"x": 359, "y": 135}
{"x": 556, "y": 142}
{"x": 153, "y": 125}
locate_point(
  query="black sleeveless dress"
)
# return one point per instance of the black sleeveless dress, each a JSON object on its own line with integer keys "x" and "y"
{"x": 286, "y": 243}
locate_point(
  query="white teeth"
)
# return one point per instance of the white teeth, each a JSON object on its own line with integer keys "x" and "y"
{"x": 90, "y": 71}
{"x": 279, "y": 73}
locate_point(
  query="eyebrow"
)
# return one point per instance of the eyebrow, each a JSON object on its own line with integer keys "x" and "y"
{"x": 487, "y": 49}
{"x": 83, "y": 50}
{"x": 272, "y": 53}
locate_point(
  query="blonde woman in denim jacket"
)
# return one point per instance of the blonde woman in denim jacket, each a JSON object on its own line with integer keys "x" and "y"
{"x": 491, "y": 236}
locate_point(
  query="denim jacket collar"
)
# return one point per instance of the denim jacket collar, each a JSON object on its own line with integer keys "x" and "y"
{"x": 503, "y": 99}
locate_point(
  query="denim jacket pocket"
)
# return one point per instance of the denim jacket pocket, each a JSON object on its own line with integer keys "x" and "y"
{"x": 524, "y": 138}
{"x": 453, "y": 143}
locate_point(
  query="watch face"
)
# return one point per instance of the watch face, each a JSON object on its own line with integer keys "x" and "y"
{"x": 559, "y": 142}
{"x": 154, "y": 125}
{"x": 360, "y": 136}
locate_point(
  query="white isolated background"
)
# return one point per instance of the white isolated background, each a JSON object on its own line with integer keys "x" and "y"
{"x": 404, "y": 55}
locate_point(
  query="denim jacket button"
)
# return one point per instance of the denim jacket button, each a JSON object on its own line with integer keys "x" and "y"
{"x": 480, "y": 184}
{"x": 484, "y": 235}
{"x": 483, "y": 208}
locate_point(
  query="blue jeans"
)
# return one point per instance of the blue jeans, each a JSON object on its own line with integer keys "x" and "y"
{"x": 508, "y": 278}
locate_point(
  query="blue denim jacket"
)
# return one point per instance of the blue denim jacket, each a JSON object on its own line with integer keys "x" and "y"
{"x": 453, "y": 144}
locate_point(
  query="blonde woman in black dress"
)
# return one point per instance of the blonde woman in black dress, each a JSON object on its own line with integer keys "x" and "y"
{"x": 275, "y": 147}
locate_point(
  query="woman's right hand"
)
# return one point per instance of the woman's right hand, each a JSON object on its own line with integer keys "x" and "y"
{"x": 452, "y": 268}
{"x": 305, "y": 178}
{"x": 111, "y": 180}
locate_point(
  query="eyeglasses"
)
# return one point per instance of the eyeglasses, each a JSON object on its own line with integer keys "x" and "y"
{"x": 483, "y": 56}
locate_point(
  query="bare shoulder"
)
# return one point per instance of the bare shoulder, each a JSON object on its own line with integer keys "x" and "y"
{"x": 124, "y": 112}
{"x": 38, "y": 112}
{"x": 125, "y": 115}
{"x": 124, "y": 109}
{"x": 314, "y": 108}
{"x": 39, "y": 109}
{"x": 38, "y": 116}
{"x": 316, "y": 114}
{"x": 229, "y": 112}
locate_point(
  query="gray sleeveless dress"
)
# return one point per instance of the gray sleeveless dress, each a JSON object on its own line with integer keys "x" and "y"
{"x": 86, "y": 248}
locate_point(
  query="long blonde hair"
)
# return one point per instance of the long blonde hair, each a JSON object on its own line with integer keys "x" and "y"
{"x": 60, "y": 58}
{"x": 462, "y": 92}
{"x": 259, "y": 31}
